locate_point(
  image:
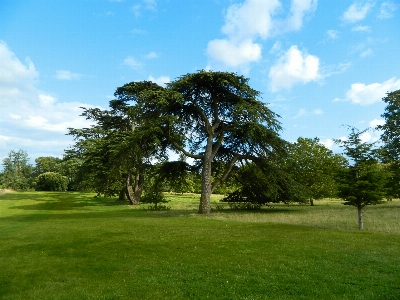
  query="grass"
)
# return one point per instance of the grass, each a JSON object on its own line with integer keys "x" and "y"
{"x": 74, "y": 246}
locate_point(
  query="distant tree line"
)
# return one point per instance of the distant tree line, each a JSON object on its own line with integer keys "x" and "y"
{"x": 215, "y": 121}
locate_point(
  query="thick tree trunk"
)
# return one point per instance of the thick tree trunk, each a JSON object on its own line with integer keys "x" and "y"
{"x": 311, "y": 201}
{"x": 139, "y": 180}
{"x": 360, "y": 218}
{"x": 131, "y": 192}
{"x": 206, "y": 189}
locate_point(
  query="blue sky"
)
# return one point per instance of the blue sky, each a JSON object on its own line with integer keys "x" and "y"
{"x": 319, "y": 64}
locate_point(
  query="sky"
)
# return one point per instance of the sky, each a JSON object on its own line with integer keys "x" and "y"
{"x": 321, "y": 65}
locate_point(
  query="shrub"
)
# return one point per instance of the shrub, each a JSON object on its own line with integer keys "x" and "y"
{"x": 51, "y": 181}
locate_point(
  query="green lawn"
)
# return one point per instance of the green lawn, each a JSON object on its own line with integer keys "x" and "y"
{"x": 73, "y": 246}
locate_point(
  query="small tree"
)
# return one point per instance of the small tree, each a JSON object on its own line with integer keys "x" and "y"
{"x": 363, "y": 182}
{"x": 17, "y": 173}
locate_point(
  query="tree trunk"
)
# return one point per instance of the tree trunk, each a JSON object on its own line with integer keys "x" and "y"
{"x": 139, "y": 180}
{"x": 133, "y": 200}
{"x": 122, "y": 194}
{"x": 311, "y": 201}
{"x": 206, "y": 189}
{"x": 360, "y": 218}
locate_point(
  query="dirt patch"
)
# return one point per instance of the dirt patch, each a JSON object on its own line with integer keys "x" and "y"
{"x": 4, "y": 191}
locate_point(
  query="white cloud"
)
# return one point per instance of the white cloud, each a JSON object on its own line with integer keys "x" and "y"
{"x": 366, "y": 53}
{"x": 67, "y": 75}
{"x": 386, "y": 10}
{"x": 361, "y": 28}
{"x": 298, "y": 11}
{"x": 303, "y": 112}
{"x": 328, "y": 143}
{"x": 333, "y": 34}
{"x": 365, "y": 137}
{"x": 318, "y": 111}
{"x": 363, "y": 94}
{"x": 16, "y": 78}
{"x": 376, "y": 122}
{"x": 357, "y": 11}
{"x": 32, "y": 112}
{"x": 294, "y": 67}
{"x": 150, "y": 4}
{"x": 162, "y": 80}
{"x": 46, "y": 100}
{"x": 147, "y": 4}
{"x": 234, "y": 54}
{"x": 132, "y": 63}
{"x": 15, "y": 116}
{"x": 151, "y": 55}
{"x": 136, "y": 10}
{"x": 249, "y": 21}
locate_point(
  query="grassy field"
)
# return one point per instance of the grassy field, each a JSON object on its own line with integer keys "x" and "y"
{"x": 74, "y": 246}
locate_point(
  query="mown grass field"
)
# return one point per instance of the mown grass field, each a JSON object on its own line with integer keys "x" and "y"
{"x": 74, "y": 246}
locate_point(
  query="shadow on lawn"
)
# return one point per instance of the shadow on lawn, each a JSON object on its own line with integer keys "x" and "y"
{"x": 61, "y": 201}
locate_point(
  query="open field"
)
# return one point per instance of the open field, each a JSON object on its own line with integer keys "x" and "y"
{"x": 74, "y": 246}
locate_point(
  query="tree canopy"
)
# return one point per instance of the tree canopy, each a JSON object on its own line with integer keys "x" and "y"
{"x": 314, "y": 166}
{"x": 363, "y": 182}
{"x": 209, "y": 117}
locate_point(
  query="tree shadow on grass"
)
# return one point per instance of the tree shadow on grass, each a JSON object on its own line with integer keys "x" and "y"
{"x": 62, "y": 201}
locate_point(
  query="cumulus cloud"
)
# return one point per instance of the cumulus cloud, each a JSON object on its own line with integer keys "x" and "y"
{"x": 294, "y": 67}
{"x": 234, "y": 54}
{"x": 67, "y": 75}
{"x": 31, "y": 112}
{"x": 376, "y": 122}
{"x": 357, "y": 11}
{"x": 16, "y": 78}
{"x": 250, "y": 21}
{"x": 162, "y": 80}
{"x": 328, "y": 143}
{"x": 298, "y": 10}
{"x": 366, "y": 94}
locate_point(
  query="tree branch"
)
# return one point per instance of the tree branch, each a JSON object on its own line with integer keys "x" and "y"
{"x": 225, "y": 175}
{"x": 180, "y": 148}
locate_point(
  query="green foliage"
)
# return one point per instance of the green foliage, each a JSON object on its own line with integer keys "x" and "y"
{"x": 314, "y": 167}
{"x": 155, "y": 197}
{"x": 362, "y": 185}
{"x": 46, "y": 164}
{"x": 364, "y": 182}
{"x": 391, "y": 129}
{"x": 51, "y": 181}
{"x": 391, "y": 141}
{"x": 17, "y": 172}
{"x": 266, "y": 183}
{"x": 211, "y": 117}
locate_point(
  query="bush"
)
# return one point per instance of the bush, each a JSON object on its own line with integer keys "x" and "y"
{"x": 51, "y": 181}
{"x": 155, "y": 196}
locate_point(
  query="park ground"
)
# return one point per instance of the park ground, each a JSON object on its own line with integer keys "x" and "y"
{"x": 74, "y": 246}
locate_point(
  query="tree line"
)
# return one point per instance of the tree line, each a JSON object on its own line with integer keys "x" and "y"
{"x": 225, "y": 140}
